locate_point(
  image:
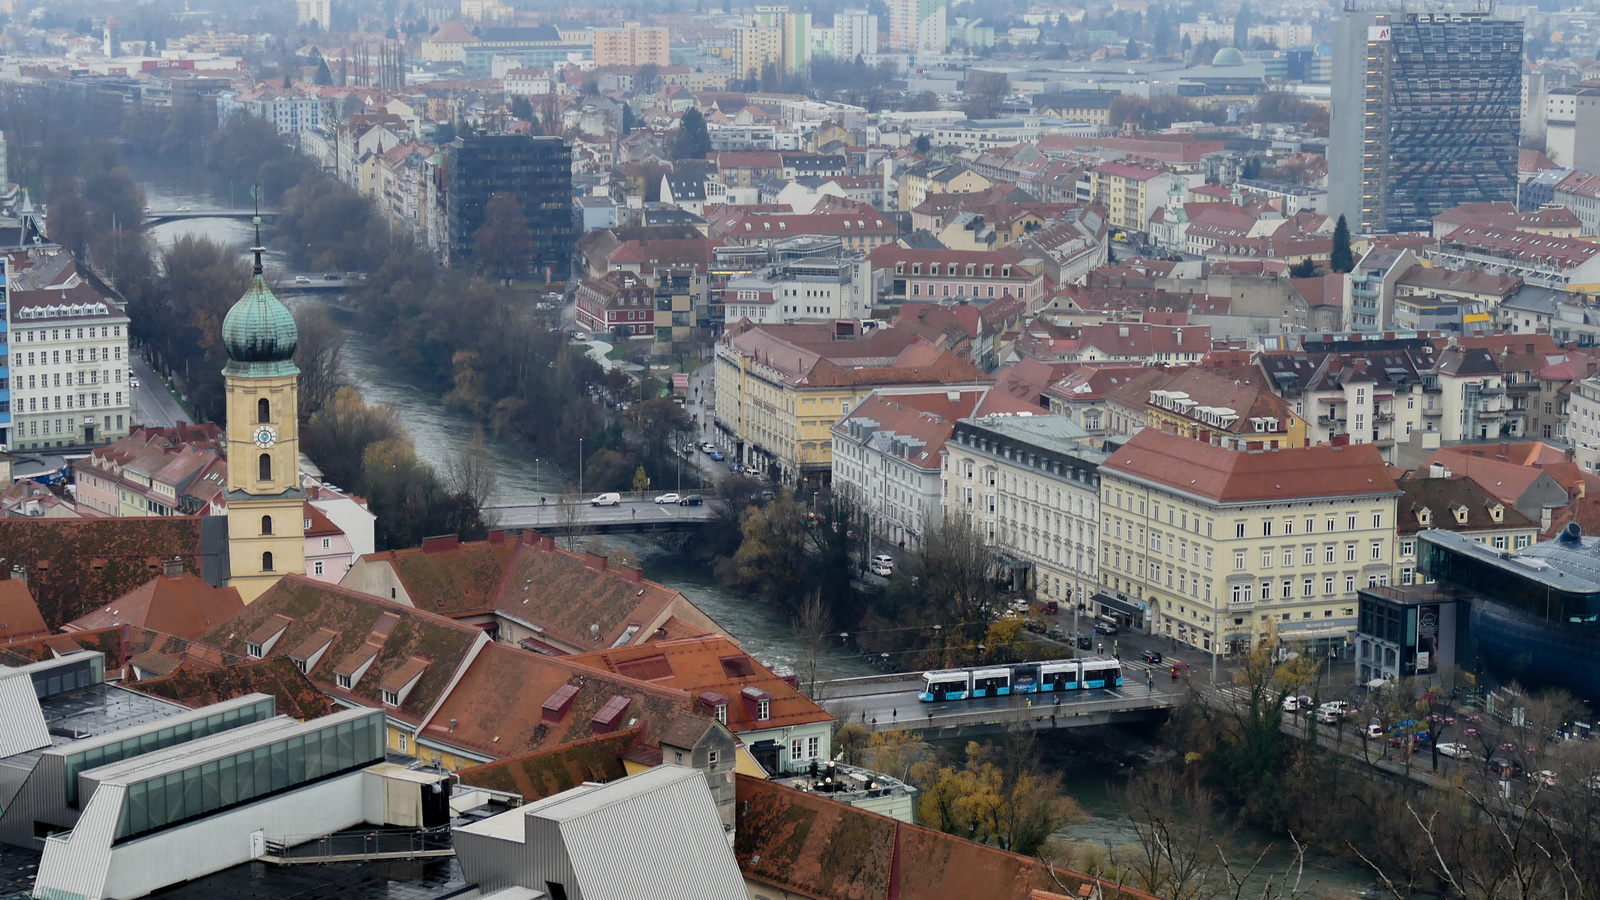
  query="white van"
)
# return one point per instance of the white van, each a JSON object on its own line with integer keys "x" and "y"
{"x": 609, "y": 498}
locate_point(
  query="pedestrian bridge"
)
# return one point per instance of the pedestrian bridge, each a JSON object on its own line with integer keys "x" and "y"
{"x": 634, "y": 515}
{"x": 163, "y": 216}
{"x": 890, "y": 701}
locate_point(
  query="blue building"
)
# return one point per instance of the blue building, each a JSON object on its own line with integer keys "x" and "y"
{"x": 1530, "y": 616}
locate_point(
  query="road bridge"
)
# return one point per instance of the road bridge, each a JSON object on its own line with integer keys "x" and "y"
{"x": 631, "y": 516}
{"x": 892, "y": 700}
{"x": 163, "y": 216}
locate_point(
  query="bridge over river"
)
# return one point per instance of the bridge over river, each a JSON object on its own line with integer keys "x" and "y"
{"x": 163, "y": 216}
{"x": 635, "y": 514}
{"x": 892, "y": 700}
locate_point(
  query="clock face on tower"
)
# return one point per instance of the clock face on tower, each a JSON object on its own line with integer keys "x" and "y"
{"x": 264, "y": 436}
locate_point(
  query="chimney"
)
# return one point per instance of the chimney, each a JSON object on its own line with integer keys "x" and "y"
{"x": 172, "y": 568}
{"x": 441, "y": 544}
{"x": 18, "y": 573}
{"x": 630, "y": 574}
{"x": 594, "y": 561}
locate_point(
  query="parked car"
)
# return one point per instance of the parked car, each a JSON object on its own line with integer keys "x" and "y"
{"x": 1328, "y": 717}
{"x": 1375, "y": 730}
{"x": 1544, "y": 777}
{"x": 1297, "y": 703}
{"x": 716, "y": 454}
{"x": 883, "y": 564}
{"x": 668, "y": 498}
{"x": 690, "y": 500}
{"x": 1151, "y": 657}
{"x": 609, "y": 498}
{"x": 1103, "y": 628}
{"x": 1455, "y": 751}
{"x": 1337, "y": 706}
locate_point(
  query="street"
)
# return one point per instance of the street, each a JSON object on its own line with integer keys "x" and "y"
{"x": 152, "y": 404}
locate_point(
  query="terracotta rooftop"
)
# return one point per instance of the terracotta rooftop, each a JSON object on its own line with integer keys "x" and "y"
{"x": 1442, "y": 497}
{"x": 19, "y": 615}
{"x": 195, "y": 686}
{"x": 1231, "y": 476}
{"x": 399, "y": 633}
{"x": 549, "y": 772}
{"x": 812, "y": 846}
{"x": 184, "y": 606}
{"x": 499, "y": 707}
{"x": 78, "y": 565}
{"x": 712, "y": 665}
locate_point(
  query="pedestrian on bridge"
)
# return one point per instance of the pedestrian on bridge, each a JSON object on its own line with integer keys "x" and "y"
{"x": 874, "y": 721}
{"x": 1150, "y": 681}
{"x": 895, "y": 713}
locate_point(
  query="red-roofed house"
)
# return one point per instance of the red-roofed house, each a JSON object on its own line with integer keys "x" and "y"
{"x": 929, "y": 275}
{"x": 19, "y": 615}
{"x": 1241, "y": 516}
{"x": 781, "y": 727}
{"x": 176, "y": 602}
{"x": 1129, "y": 193}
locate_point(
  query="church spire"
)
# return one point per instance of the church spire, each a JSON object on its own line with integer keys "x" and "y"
{"x": 257, "y": 249}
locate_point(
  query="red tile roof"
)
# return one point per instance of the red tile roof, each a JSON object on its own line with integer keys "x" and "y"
{"x": 19, "y": 615}
{"x": 77, "y": 565}
{"x": 812, "y": 846}
{"x": 184, "y": 606}
{"x": 196, "y": 686}
{"x": 713, "y": 664}
{"x": 394, "y": 634}
{"x": 1231, "y": 476}
{"x": 546, "y": 773}
{"x": 496, "y": 709}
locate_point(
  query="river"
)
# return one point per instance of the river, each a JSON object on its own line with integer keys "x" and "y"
{"x": 439, "y": 433}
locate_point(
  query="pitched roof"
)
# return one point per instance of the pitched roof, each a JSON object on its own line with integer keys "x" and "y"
{"x": 715, "y": 665}
{"x": 1233, "y": 476}
{"x": 184, "y": 606}
{"x": 1442, "y": 496}
{"x": 810, "y": 845}
{"x": 76, "y": 565}
{"x": 549, "y": 772}
{"x": 19, "y": 615}
{"x": 392, "y": 634}
{"x": 505, "y": 703}
{"x": 195, "y": 686}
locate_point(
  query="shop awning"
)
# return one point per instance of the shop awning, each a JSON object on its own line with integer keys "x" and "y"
{"x": 1127, "y": 607}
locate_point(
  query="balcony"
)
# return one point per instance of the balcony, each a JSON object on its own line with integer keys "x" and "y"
{"x": 1383, "y": 417}
{"x": 1432, "y": 413}
{"x": 1331, "y": 421}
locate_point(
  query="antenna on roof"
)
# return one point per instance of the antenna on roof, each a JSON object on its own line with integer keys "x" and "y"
{"x": 257, "y": 249}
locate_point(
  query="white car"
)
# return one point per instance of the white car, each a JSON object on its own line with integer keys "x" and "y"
{"x": 609, "y": 498}
{"x": 1455, "y": 751}
{"x": 883, "y": 564}
{"x": 1300, "y": 703}
{"x": 133, "y": 382}
{"x": 301, "y": 279}
{"x": 1337, "y": 707}
{"x": 668, "y": 498}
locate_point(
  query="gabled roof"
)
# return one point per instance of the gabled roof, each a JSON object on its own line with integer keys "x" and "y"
{"x": 184, "y": 606}
{"x": 361, "y": 621}
{"x": 76, "y": 565}
{"x": 715, "y": 665}
{"x": 19, "y": 615}
{"x": 195, "y": 686}
{"x": 1443, "y": 496}
{"x": 549, "y": 772}
{"x": 810, "y": 845}
{"x": 1231, "y": 476}
{"x": 498, "y": 708}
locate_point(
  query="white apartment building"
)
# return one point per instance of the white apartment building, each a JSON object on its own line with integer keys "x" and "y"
{"x": 855, "y": 33}
{"x": 802, "y": 290}
{"x": 290, "y": 111}
{"x": 1030, "y": 483}
{"x": 1583, "y": 423}
{"x": 68, "y": 355}
{"x": 1205, "y": 544}
{"x": 918, "y": 26}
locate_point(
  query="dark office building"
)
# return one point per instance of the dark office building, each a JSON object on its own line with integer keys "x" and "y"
{"x": 537, "y": 171}
{"x": 1436, "y": 99}
{"x": 1531, "y": 616}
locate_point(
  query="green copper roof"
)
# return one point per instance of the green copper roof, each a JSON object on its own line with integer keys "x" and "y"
{"x": 260, "y": 334}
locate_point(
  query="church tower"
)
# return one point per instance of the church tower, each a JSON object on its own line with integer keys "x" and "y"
{"x": 266, "y": 505}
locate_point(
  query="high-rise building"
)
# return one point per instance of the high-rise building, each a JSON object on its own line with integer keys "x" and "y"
{"x": 918, "y": 26}
{"x": 318, "y": 11}
{"x": 1426, "y": 109}
{"x": 536, "y": 171}
{"x": 855, "y": 32}
{"x": 632, "y": 45}
{"x": 792, "y": 36}
{"x": 756, "y": 47}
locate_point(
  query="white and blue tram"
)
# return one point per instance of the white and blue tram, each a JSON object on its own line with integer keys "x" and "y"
{"x": 1058, "y": 676}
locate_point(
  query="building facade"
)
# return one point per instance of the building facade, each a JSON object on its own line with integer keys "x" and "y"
{"x": 1204, "y": 543}
{"x": 68, "y": 362}
{"x": 536, "y": 171}
{"x": 632, "y": 45}
{"x": 1436, "y": 98}
{"x": 1031, "y": 485}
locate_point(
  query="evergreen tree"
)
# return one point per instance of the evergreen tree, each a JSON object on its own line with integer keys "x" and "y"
{"x": 521, "y": 108}
{"x": 1132, "y": 50}
{"x": 1305, "y": 268}
{"x": 923, "y": 145}
{"x": 1241, "y": 26}
{"x": 1342, "y": 260}
{"x": 324, "y": 77}
{"x": 693, "y": 141}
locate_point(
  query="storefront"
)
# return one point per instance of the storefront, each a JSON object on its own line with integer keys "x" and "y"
{"x": 1127, "y": 611}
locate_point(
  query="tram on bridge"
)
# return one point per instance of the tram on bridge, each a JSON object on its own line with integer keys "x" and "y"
{"x": 1055, "y": 676}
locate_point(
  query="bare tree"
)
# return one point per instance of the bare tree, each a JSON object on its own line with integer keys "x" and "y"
{"x": 471, "y": 474}
{"x": 1174, "y": 856}
{"x": 812, "y": 625}
{"x": 319, "y": 357}
{"x": 571, "y": 522}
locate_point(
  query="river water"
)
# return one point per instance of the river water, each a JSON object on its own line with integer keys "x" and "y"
{"x": 439, "y": 433}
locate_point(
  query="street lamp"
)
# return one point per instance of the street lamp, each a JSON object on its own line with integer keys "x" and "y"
{"x": 580, "y": 467}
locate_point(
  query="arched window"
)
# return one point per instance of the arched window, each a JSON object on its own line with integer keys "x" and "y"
{"x": 266, "y": 561}
{"x": 263, "y": 410}
{"x": 266, "y": 524}
{"x": 266, "y": 467}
